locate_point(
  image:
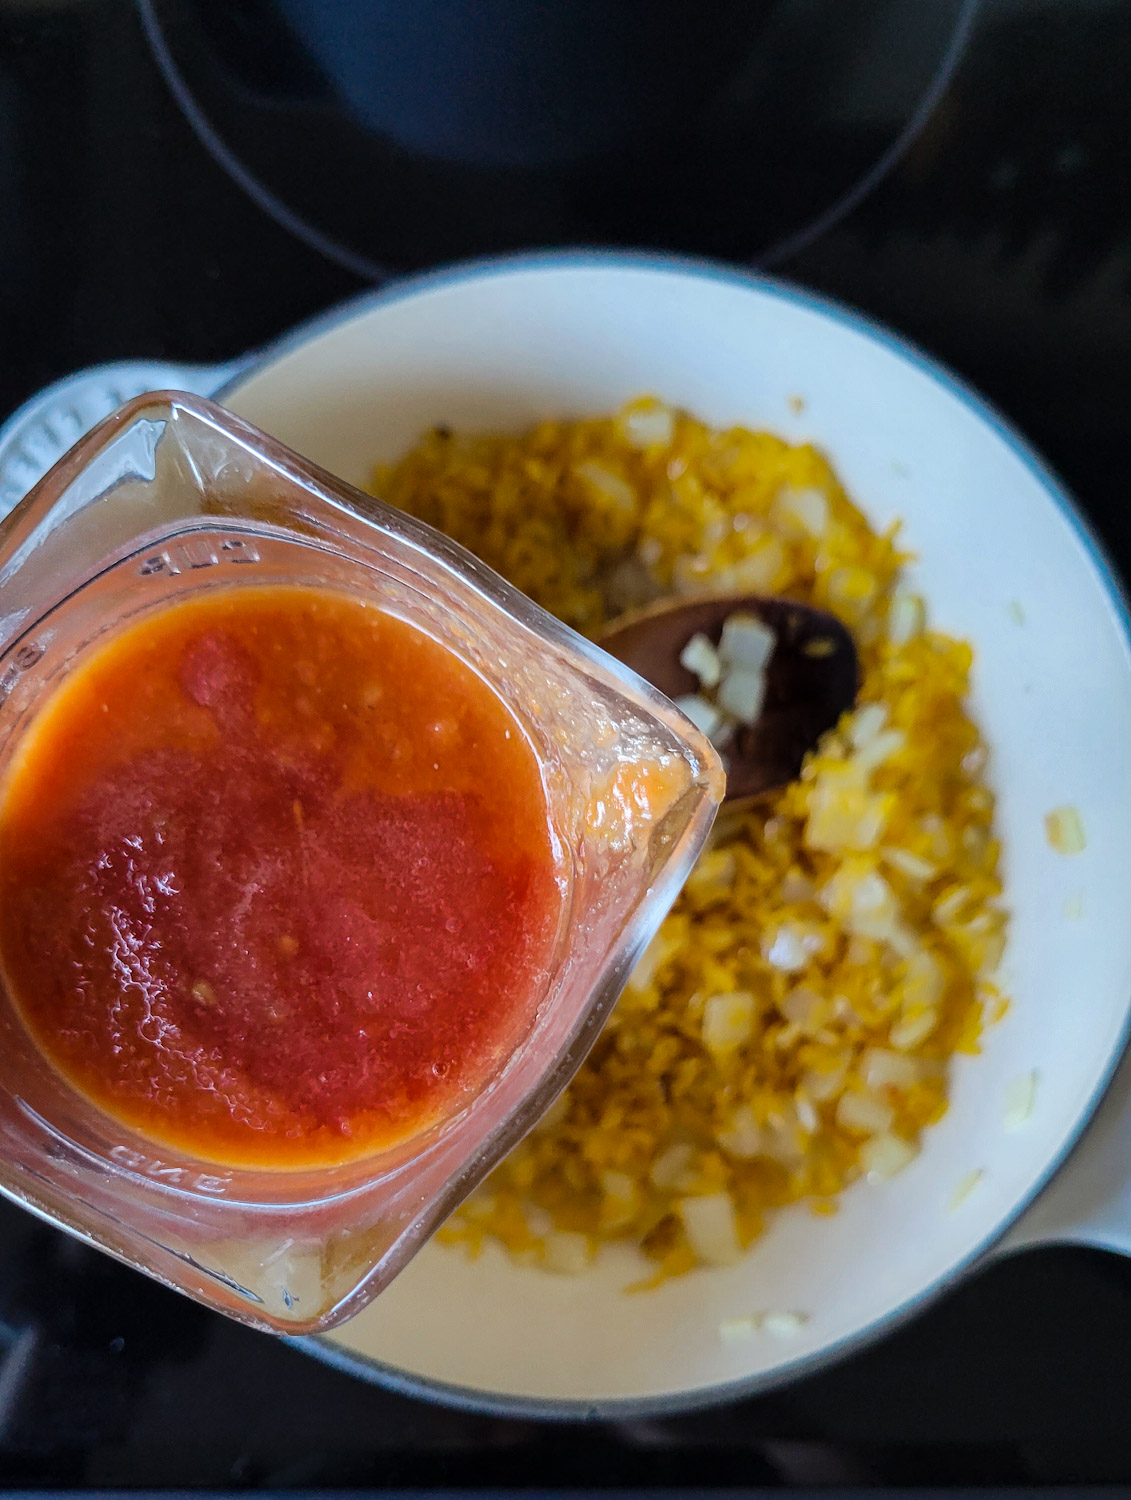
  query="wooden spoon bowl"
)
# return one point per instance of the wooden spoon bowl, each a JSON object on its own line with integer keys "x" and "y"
{"x": 811, "y": 677}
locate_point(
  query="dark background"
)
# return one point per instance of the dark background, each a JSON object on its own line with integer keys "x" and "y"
{"x": 1000, "y": 240}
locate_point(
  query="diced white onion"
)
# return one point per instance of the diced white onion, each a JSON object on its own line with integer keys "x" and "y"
{"x": 783, "y": 1140}
{"x": 538, "y": 1220}
{"x": 759, "y": 571}
{"x": 649, "y": 426}
{"x": 880, "y": 750}
{"x": 862, "y": 901}
{"x": 963, "y": 1188}
{"x": 821, "y": 1085}
{"x": 867, "y": 723}
{"x": 673, "y": 1167}
{"x": 881, "y": 1069}
{"x": 703, "y": 714}
{"x": 801, "y": 511}
{"x": 711, "y": 1228}
{"x": 1064, "y": 829}
{"x": 784, "y": 1325}
{"x": 746, "y": 641}
{"x": 910, "y": 1030}
{"x": 728, "y": 1021}
{"x": 1020, "y": 1097}
{"x": 797, "y": 887}
{"x": 807, "y": 1116}
{"x": 620, "y": 1201}
{"x": 742, "y": 693}
{"x": 909, "y": 864}
{"x": 852, "y": 591}
{"x": 700, "y": 657}
{"x": 923, "y": 982}
{"x": 905, "y": 619}
{"x": 885, "y": 1155}
{"x": 843, "y": 813}
{"x": 739, "y": 1330}
{"x": 805, "y": 1007}
{"x": 713, "y": 874}
{"x": 974, "y": 761}
{"x": 949, "y": 906}
{"x": 743, "y": 1137}
{"x": 790, "y": 948}
{"x": 611, "y": 486}
{"x": 864, "y": 1113}
{"x": 566, "y": 1253}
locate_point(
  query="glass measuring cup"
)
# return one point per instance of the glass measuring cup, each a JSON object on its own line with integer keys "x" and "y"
{"x": 169, "y": 498}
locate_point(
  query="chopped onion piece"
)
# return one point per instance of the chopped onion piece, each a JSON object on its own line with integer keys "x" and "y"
{"x": 885, "y": 1155}
{"x": 728, "y": 1021}
{"x": 1020, "y": 1097}
{"x": 923, "y": 983}
{"x": 963, "y": 1188}
{"x": 807, "y": 1116}
{"x": 843, "y": 813}
{"x": 658, "y": 951}
{"x": 700, "y": 657}
{"x": 906, "y": 618}
{"x": 567, "y": 1253}
{"x": 621, "y": 1200}
{"x": 804, "y": 1007}
{"x": 949, "y": 906}
{"x": 1064, "y": 829}
{"x": 538, "y": 1220}
{"x": 784, "y": 1325}
{"x": 759, "y": 571}
{"x": 722, "y": 736}
{"x": 879, "y": 751}
{"x": 797, "y": 887}
{"x": 791, "y": 947}
{"x": 822, "y": 1085}
{"x": 742, "y": 693}
{"x": 746, "y": 641}
{"x": 713, "y": 873}
{"x": 704, "y": 715}
{"x": 910, "y": 1030}
{"x": 909, "y": 864}
{"x": 649, "y": 426}
{"x": 802, "y": 512}
{"x": 881, "y": 1069}
{"x": 862, "y": 1112}
{"x": 711, "y": 1228}
{"x": 739, "y": 1330}
{"x": 743, "y": 1137}
{"x": 783, "y": 1138}
{"x": 852, "y": 591}
{"x": 866, "y": 724}
{"x": 860, "y": 898}
{"x": 673, "y": 1167}
{"x": 611, "y": 486}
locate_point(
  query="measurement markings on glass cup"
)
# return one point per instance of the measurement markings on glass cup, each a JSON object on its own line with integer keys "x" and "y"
{"x": 196, "y": 553}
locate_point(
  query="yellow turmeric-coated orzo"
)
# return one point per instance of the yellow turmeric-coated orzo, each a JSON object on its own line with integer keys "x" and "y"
{"x": 789, "y": 1028}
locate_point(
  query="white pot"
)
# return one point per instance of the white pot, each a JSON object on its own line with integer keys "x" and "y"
{"x": 1005, "y": 561}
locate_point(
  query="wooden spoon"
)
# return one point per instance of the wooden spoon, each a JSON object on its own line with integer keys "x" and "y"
{"x": 811, "y": 677}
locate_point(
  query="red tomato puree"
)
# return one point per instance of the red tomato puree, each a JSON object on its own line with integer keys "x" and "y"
{"x": 277, "y": 879}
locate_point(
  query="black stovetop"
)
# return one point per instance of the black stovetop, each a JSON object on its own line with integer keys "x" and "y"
{"x": 1001, "y": 240}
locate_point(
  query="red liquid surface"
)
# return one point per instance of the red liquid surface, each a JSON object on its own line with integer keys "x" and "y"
{"x": 277, "y": 881}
